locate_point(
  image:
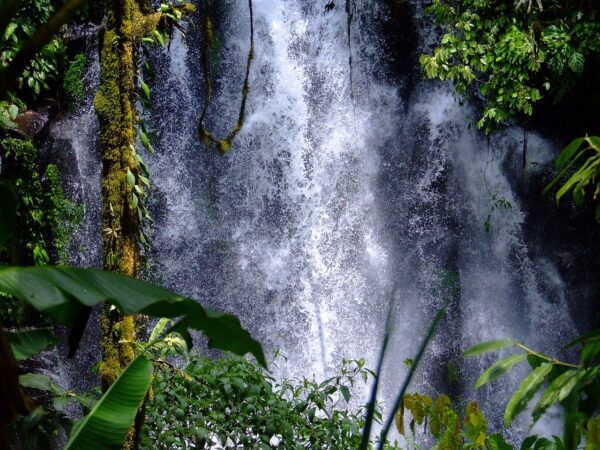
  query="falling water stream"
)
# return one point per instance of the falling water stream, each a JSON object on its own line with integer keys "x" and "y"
{"x": 353, "y": 191}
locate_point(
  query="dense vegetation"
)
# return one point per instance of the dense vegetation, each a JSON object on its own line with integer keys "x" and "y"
{"x": 156, "y": 391}
{"x": 512, "y": 55}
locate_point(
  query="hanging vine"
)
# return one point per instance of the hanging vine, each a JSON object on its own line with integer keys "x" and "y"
{"x": 206, "y": 136}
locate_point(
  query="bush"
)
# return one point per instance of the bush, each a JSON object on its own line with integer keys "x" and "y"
{"x": 235, "y": 404}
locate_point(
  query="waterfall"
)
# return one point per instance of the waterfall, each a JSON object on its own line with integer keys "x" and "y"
{"x": 283, "y": 231}
{"x": 353, "y": 190}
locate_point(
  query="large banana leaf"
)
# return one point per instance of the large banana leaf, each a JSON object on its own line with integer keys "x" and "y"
{"x": 109, "y": 421}
{"x": 62, "y": 292}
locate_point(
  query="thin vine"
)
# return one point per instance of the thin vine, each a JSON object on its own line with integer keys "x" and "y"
{"x": 206, "y": 136}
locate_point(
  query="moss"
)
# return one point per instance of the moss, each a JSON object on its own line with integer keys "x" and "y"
{"x": 63, "y": 215}
{"x": 73, "y": 82}
{"x": 127, "y": 23}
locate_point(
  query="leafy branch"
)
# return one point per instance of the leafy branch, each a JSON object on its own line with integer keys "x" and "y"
{"x": 586, "y": 150}
{"x": 574, "y": 386}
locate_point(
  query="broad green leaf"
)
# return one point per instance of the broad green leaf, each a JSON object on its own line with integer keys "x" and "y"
{"x": 28, "y": 343}
{"x": 61, "y": 292}
{"x": 499, "y": 368}
{"x": 527, "y": 389}
{"x": 108, "y": 423}
{"x": 488, "y": 346}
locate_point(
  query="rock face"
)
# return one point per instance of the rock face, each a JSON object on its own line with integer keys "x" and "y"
{"x": 30, "y": 123}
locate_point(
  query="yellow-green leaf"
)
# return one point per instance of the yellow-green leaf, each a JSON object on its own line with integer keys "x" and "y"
{"x": 488, "y": 346}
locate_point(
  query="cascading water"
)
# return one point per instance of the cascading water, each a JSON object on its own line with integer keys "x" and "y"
{"x": 73, "y": 141}
{"x": 350, "y": 186}
{"x": 284, "y": 230}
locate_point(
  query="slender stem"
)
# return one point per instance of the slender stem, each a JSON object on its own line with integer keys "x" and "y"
{"x": 547, "y": 358}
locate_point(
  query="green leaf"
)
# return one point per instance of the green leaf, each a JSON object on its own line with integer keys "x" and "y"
{"x": 558, "y": 390}
{"x": 107, "y": 425}
{"x": 146, "y": 89}
{"x": 499, "y": 368}
{"x": 589, "y": 352}
{"x": 146, "y": 141}
{"x": 527, "y": 389}
{"x": 345, "y": 392}
{"x": 159, "y": 37}
{"x": 9, "y": 30}
{"x": 13, "y": 111}
{"x": 594, "y": 142}
{"x": 40, "y": 382}
{"x": 528, "y": 442}
{"x": 487, "y": 347}
{"x": 568, "y": 152}
{"x": 61, "y": 292}
{"x": 158, "y": 329}
{"x": 130, "y": 178}
{"x": 577, "y": 62}
{"x": 28, "y": 343}
{"x": 497, "y": 442}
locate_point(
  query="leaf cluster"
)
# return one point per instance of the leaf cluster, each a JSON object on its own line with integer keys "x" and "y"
{"x": 575, "y": 387}
{"x": 512, "y": 52}
{"x": 45, "y": 216}
{"x": 45, "y": 65}
{"x": 446, "y": 426}
{"x": 585, "y": 179}
{"x": 232, "y": 403}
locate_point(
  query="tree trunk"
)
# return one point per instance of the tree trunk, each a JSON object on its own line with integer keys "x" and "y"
{"x": 126, "y": 23}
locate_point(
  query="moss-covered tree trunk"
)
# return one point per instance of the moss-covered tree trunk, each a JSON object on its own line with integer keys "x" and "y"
{"x": 126, "y": 23}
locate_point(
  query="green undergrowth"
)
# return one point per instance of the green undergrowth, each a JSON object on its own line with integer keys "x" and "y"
{"x": 45, "y": 220}
{"x": 236, "y": 404}
{"x": 73, "y": 85}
